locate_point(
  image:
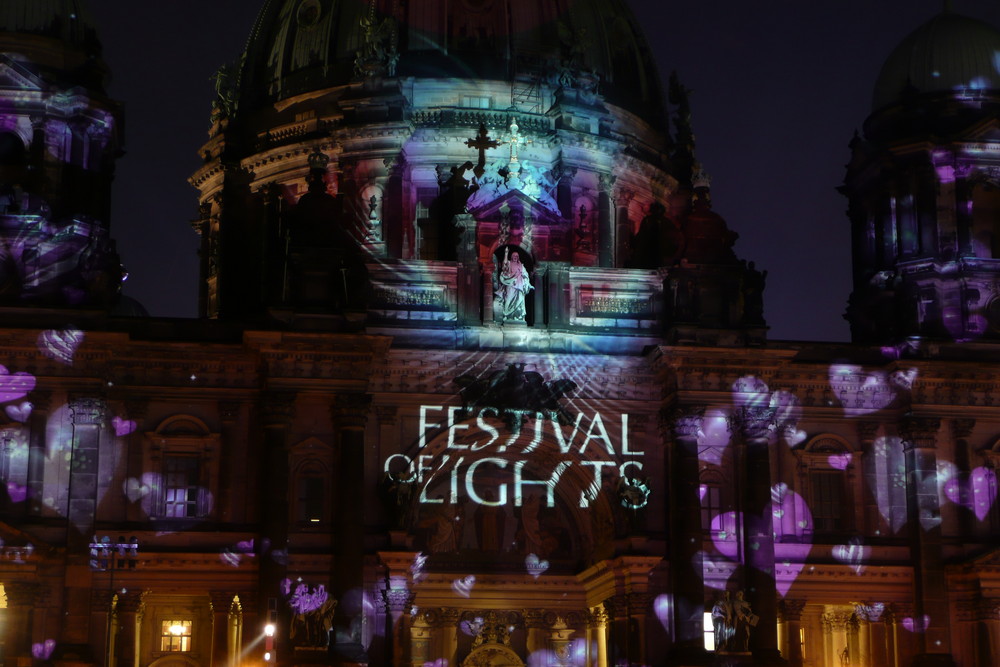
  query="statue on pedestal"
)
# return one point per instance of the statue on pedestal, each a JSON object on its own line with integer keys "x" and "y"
{"x": 512, "y": 285}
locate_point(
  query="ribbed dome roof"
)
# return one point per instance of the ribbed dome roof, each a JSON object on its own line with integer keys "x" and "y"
{"x": 948, "y": 53}
{"x": 299, "y": 46}
{"x": 66, "y": 20}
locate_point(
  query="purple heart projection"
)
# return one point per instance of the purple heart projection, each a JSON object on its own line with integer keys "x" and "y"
{"x": 244, "y": 547}
{"x": 135, "y": 490}
{"x": 123, "y": 427}
{"x": 860, "y": 392}
{"x": 839, "y": 461}
{"x": 229, "y": 558}
{"x": 853, "y": 554}
{"x": 16, "y": 492}
{"x": 43, "y": 650}
{"x": 463, "y": 587}
{"x": 917, "y": 624}
{"x": 661, "y": 606}
{"x": 793, "y": 436}
{"x": 472, "y": 628}
{"x": 13, "y": 387}
{"x": 786, "y": 407}
{"x": 19, "y": 413}
{"x": 750, "y": 391}
{"x": 60, "y": 345}
{"x": 981, "y": 492}
{"x": 417, "y": 569}
{"x": 535, "y": 565}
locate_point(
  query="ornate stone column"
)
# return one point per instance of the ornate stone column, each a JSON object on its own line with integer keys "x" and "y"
{"x": 758, "y": 532}
{"x": 41, "y": 402}
{"x": 129, "y": 609}
{"x": 564, "y": 191}
{"x": 397, "y": 606}
{"x": 961, "y": 430}
{"x": 684, "y": 426}
{"x": 534, "y": 622}
{"x": 623, "y": 226}
{"x": 988, "y": 639}
{"x": 638, "y": 605}
{"x": 232, "y": 472}
{"x": 349, "y": 413}
{"x": 605, "y": 223}
{"x": 873, "y": 627}
{"x": 277, "y": 410}
{"x": 924, "y": 512}
{"x": 618, "y": 639}
{"x": 598, "y": 626}
{"x": 791, "y": 613}
{"x": 222, "y": 608}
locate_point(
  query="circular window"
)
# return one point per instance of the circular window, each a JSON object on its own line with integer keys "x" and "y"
{"x": 309, "y": 13}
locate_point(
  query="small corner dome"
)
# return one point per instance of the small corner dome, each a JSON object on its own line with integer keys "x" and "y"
{"x": 302, "y": 46}
{"x": 949, "y": 53}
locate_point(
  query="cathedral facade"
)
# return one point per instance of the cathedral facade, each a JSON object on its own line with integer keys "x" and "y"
{"x": 479, "y": 378}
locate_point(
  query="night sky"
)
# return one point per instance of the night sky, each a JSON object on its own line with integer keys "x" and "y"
{"x": 779, "y": 88}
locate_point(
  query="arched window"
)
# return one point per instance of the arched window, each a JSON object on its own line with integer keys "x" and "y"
{"x": 826, "y": 470}
{"x": 12, "y": 151}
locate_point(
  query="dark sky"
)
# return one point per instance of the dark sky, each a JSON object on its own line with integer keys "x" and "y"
{"x": 779, "y": 88}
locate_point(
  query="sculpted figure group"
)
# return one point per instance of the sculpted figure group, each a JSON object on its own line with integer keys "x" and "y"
{"x": 732, "y": 620}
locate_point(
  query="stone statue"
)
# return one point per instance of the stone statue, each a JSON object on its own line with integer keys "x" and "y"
{"x": 374, "y": 220}
{"x": 722, "y": 622}
{"x": 742, "y": 620}
{"x": 512, "y": 286}
{"x": 754, "y": 282}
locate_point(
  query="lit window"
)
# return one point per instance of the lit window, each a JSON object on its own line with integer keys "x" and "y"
{"x": 711, "y": 504}
{"x": 709, "y": 630}
{"x": 175, "y": 636}
{"x": 182, "y": 482}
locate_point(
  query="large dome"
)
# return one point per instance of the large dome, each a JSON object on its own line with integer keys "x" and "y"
{"x": 299, "y": 46}
{"x": 948, "y": 53}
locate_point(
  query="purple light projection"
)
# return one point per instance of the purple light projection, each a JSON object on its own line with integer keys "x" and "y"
{"x": 463, "y": 586}
{"x": 20, "y": 412}
{"x": 536, "y": 566}
{"x": 13, "y": 387}
{"x": 123, "y": 427}
{"x": 304, "y": 599}
{"x": 60, "y": 345}
{"x": 43, "y": 650}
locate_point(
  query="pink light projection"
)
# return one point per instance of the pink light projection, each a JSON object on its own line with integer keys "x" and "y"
{"x": 304, "y": 599}
{"x": 917, "y": 624}
{"x": 60, "y": 345}
{"x": 123, "y": 427}
{"x": 43, "y": 650}
{"x": 21, "y": 412}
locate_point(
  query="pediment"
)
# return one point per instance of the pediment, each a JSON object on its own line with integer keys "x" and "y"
{"x": 532, "y": 186}
{"x": 516, "y": 200}
{"x": 15, "y": 75}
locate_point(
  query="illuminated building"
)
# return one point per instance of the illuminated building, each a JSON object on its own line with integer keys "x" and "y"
{"x": 480, "y": 379}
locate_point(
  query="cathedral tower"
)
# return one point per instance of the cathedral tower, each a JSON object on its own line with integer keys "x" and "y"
{"x": 59, "y": 137}
{"x": 923, "y": 190}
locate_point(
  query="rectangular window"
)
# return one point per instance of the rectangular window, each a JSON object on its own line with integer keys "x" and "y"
{"x": 476, "y": 102}
{"x": 312, "y": 494}
{"x": 711, "y": 504}
{"x": 181, "y": 486}
{"x": 175, "y": 636}
{"x": 828, "y": 510}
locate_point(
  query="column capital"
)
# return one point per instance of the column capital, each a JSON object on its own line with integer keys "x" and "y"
{"x": 534, "y": 619}
{"x": 684, "y": 421}
{"x": 222, "y": 601}
{"x": 868, "y": 430}
{"x": 617, "y": 606}
{"x": 962, "y": 428}
{"x": 398, "y": 599}
{"x": 87, "y": 410}
{"x": 754, "y": 422}
{"x": 598, "y": 617}
{"x": 23, "y": 593}
{"x": 919, "y": 432}
{"x": 791, "y": 609}
{"x": 350, "y": 411}
{"x": 278, "y": 408}
{"x": 131, "y": 602}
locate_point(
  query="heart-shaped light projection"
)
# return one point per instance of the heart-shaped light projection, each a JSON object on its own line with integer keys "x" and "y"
{"x": 463, "y": 587}
{"x": 861, "y": 392}
{"x": 19, "y": 413}
{"x": 13, "y": 387}
{"x": 977, "y": 493}
{"x": 123, "y": 427}
{"x": 60, "y": 345}
{"x": 839, "y": 461}
{"x": 917, "y": 624}
{"x": 43, "y": 650}
{"x": 662, "y": 607}
{"x": 535, "y": 565}
{"x": 135, "y": 490}
{"x": 17, "y": 492}
{"x": 853, "y": 554}
{"x": 723, "y": 531}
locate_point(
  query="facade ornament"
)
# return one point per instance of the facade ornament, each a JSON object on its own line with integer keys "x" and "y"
{"x": 494, "y": 630}
{"x": 225, "y": 80}
{"x": 378, "y": 54}
{"x": 373, "y": 223}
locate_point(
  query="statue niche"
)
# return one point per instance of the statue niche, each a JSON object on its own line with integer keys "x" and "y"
{"x": 659, "y": 241}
